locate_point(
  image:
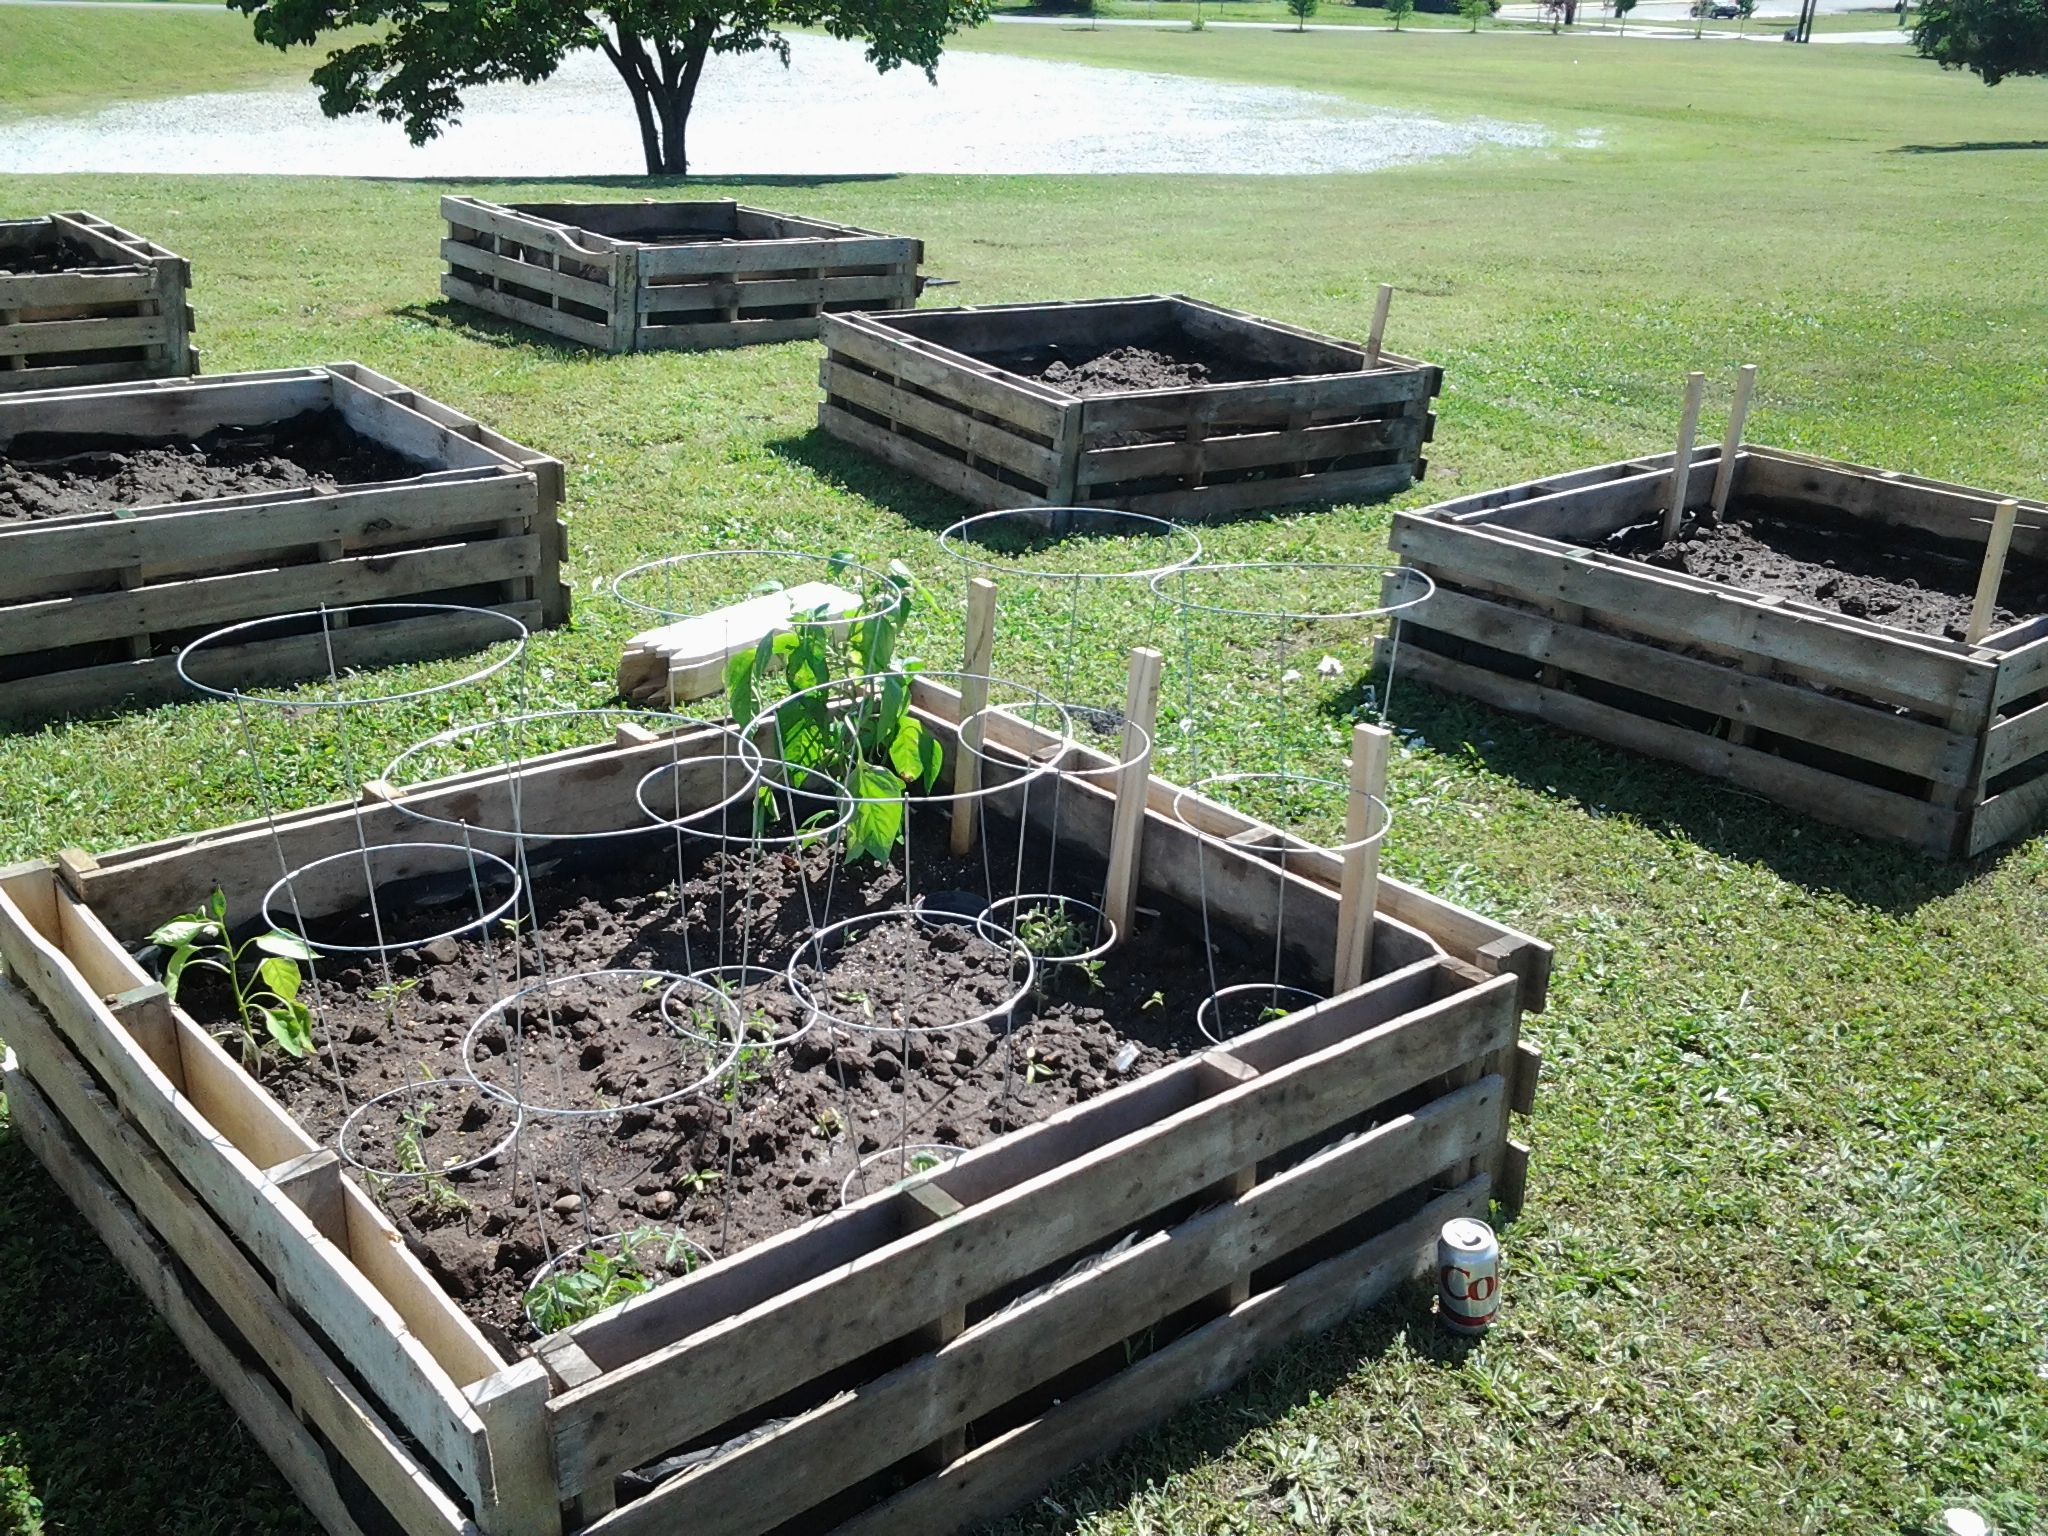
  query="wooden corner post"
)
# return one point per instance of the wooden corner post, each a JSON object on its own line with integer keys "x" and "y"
{"x": 1126, "y": 832}
{"x": 974, "y": 665}
{"x": 1376, "y": 338}
{"x": 1681, "y": 462}
{"x": 1731, "y": 445}
{"x": 1992, "y": 574}
{"x": 1358, "y": 895}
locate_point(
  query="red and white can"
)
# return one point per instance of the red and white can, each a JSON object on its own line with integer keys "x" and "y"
{"x": 1467, "y": 1275}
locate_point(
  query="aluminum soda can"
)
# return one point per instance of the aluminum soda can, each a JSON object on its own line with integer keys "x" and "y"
{"x": 1467, "y": 1275}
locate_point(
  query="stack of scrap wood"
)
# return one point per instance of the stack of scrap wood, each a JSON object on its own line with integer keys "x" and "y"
{"x": 686, "y": 660}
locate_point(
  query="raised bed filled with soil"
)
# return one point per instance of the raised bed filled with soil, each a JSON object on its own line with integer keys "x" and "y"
{"x": 1124, "y": 1220}
{"x": 83, "y": 302}
{"x": 1807, "y": 643}
{"x": 648, "y": 276}
{"x": 1163, "y": 405}
{"x": 135, "y": 518}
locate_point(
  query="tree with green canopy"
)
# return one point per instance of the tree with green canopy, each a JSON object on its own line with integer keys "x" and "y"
{"x": 421, "y": 55}
{"x": 1993, "y": 38}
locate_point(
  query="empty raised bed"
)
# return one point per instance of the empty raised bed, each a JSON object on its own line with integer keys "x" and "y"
{"x": 1806, "y": 644}
{"x": 644, "y": 277}
{"x": 1016, "y": 1310}
{"x": 1162, "y": 404}
{"x": 83, "y": 302}
{"x": 136, "y": 517}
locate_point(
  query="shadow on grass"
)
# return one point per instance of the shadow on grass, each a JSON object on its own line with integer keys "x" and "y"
{"x": 1608, "y": 781}
{"x": 1969, "y": 146}
{"x": 506, "y": 335}
{"x": 1276, "y": 1387}
{"x": 117, "y": 1430}
{"x": 921, "y": 504}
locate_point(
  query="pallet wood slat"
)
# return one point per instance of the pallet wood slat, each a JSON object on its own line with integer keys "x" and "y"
{"x": 746, "y": 270}
{"x": 94, "y": 605}
{"x": 57, "y": 327}
{"x": 1231, "y": 1180}
{"x": 1008, "y": 1470}
{"x": 1918, "y": 738}
{"x": 1329, "y": 424}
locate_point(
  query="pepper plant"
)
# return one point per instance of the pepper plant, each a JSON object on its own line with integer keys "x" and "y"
{"x": 867, "y": 739}
{"x": 265, "y": 991}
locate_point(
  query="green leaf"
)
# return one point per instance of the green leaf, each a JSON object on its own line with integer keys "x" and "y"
{"x": 291, "y": 1027}
{"x": 877, "y": 820}
{"x": 739, "y": 685}
{"x": 175, "y": 971}
{"x": 916, "y": 753}
{"x": 281, "y": 976}
{"x": 217, "y": 905}
{"x": 290, "y": 946}
{"x": 184, "y": 930}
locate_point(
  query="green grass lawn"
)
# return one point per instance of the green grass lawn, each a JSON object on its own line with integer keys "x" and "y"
{"x": 1780, "y": 1265}
{"x": 73, "y": 58}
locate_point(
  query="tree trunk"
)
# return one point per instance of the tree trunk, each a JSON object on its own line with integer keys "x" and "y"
{"x": 662, "y": 81}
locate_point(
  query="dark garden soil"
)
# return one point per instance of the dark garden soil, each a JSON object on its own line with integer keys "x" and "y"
{"x": 56, "y": 253}
{"x": 1121, "y": 369}
{"x": 1916, "y": 584}
{"x": 46, "y": 475}
{"x": 768, "y": 1146}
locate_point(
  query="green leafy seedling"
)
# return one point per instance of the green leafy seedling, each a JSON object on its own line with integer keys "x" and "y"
{"x": 599, "y": 1280}
{"x": 265, "y": 990}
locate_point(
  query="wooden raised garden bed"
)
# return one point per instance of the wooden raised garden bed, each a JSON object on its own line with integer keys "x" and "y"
{"x": 83, "y": 302}
{"x": 645, "y": 277}
{"x": 1879, "y": 718}
{"x": 1223, "y": 1204}
{"x": 1163, "y": 405}
{"x": 105, "y": 571}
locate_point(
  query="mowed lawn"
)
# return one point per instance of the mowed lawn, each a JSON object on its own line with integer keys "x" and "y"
{"x": 1780, "y": 1269}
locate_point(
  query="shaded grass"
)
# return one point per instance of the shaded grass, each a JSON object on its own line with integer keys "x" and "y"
{"x": 1780, "y": 1265}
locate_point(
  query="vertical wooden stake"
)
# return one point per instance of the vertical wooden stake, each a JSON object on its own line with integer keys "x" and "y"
{"x": 1141, "y": 716}
{"x": 1358, "y": 895}
{"x": 1378, "y": 334}
{"x": 1681, "y": 463}
{"x": 1738, "y": 416}
{"x": 1993, "y": 572}
{"x": 974, "y": 665}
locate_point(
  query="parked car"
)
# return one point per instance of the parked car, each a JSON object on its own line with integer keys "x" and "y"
{"x": 1715, "y": 10}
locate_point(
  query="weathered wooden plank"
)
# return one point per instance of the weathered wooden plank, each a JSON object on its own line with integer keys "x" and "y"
{"x": 90, "y": 335}
{"x": 53, "y": 289}
{"x": 527, "y": 274}
{"x": 82, "y": 618}
{"x": 836, "y": 1445}
{"x": 1637, "y": 599}
{"x": 1164, "y": 409}
{"x": 177, "y": 539}
{"x": 669, "y": 1396}
{"x": 1100, "y": 466}
{"x": 172, "y": 408}
{"x": 85, "y": 690}
{"x": 259, "y": 1405}
{"x": 712, "y": 334}
{"x": 539, "y": 316}
{"x": 980, "y": 439}
{"x": 948, "y": 474}
{"x": 862, "y": 340}
{"x": 744, "y": 294}
{"x": 2016, "y": 740}
{"x": 1865, "y": 495}
{"x": 332, "y": 1293}
{"x": 1208, "y": 501}
{"x": 2007, "y": 815}
{"x": 176, "y": 1218}
{"x": 664, "y": 261}
{"x": 1828, "y": 796}
{"x": 1877, "y": 735}
{"x": 1582, "y": 514}
{"x": 998, "y": 1476}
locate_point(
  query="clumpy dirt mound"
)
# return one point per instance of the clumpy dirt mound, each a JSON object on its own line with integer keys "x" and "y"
{"x": 794, "y": 1110}
{"x": 1126, "y": 368}
{"x": 56, "y": 253}
{"x": 48, "y": 475}
{"x": 1910, "y": 584}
